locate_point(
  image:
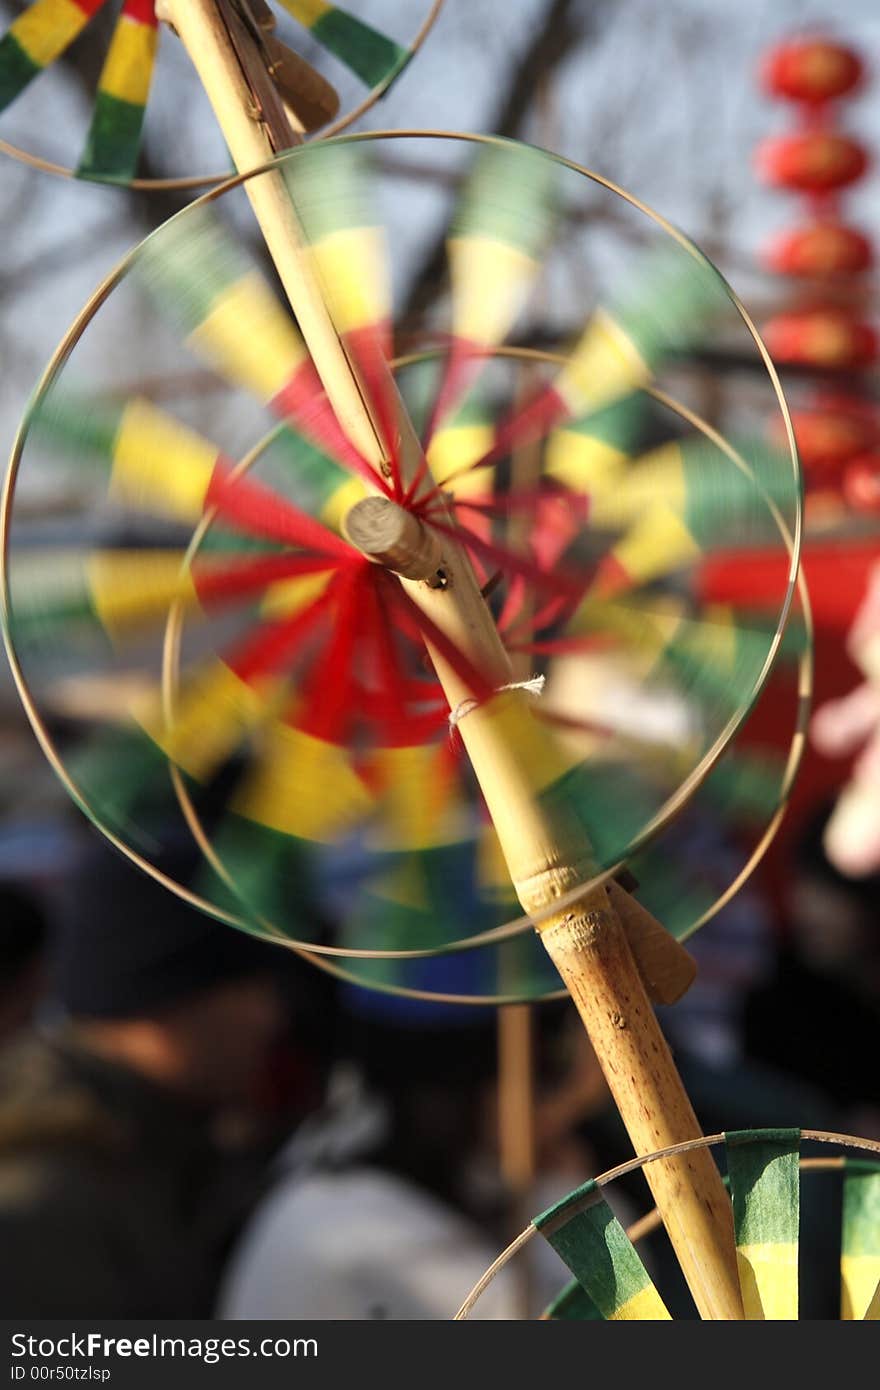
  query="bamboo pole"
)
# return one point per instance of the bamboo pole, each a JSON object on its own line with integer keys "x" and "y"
{"x": 517, "y": 1157}
{"x": 517, "y": 1137}
{"x": 545, "y": 858}
{"x": 255, "y": 133}
{"x": 586, "y": 942}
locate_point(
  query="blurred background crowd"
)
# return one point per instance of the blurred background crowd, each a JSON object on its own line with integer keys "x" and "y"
{"x": 195, "y": 1123}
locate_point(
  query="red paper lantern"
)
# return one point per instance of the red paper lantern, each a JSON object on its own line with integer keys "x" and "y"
{"x": 861, "y": 484}
{"x": 814, "y": 161}
{"x": 812, "y": 70}
{"x": 821, "y": 338}
{"x": 828, "y": 248}
{"x": 828, "y": 439}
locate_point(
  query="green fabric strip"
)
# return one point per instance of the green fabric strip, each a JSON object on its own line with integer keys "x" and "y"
{"x": 746, "y": 785}
{"x": 596, "y": 1249}
{"x": 573, "y": 1304}
{"x": 860, "y": 1234}
{"x": 37, "y": 619}
{"x": 186, "y": 265}
{"x": 124, "y": 783}
{"x": 509, "y": 197}
{"x": 331, "y": 189}
{"x": 272, "y": 873}
{"x": 610, "y": 802}
{"x": 16, "y": 69}
{"x": 676, "y": 895}
{"x": 765, "y": 1185}
{"x": 113, "y": 141}
{"x": 618, "y": 424}
{"x": 721, "y": 496}
{"x": 722, "y": 677}
{"x": 670, "y": 303}
{"x": 78, "y": 426}
{"x": 372, "y": 56}
{"x": 315, "y": 476}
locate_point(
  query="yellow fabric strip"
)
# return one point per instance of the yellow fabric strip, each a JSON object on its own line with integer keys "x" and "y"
{"x": 859, "y": 1281}
{"x": 604, "y": 365}
{"x": 490, "y": 283}
{"x": 289, "y": 597}
{"x": 455, "y": 448}
{"x": 211, "y": 715}
{"x": 47, "y": 28}
{"x": 635, "y": 489}
{"x": 340, "y": 502}
{"x": 353, "y": 267}
{"x": 128, "y": 68}
{"x": 872, "y": 1312}
{"x": 657, "y": 544}
{"x": 159, "y": 465}
{"x": 584, "y": 464}
{"x": 250, "y": 338}
{"x": 415, "y": 794}
{"x": 129, "y": 587}
{"x": 308, "y": 12}
{"x": 645, "y": 1306}
{"x": 303, "y": 786}
{"x": 538, "y": 753}
{"x": 768, "y": 1277}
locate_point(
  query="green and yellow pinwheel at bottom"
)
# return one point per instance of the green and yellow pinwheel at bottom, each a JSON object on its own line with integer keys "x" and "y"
{"x": 764, "y": 1167}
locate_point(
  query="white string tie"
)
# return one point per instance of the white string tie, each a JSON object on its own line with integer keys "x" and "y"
{"x": 534, "y": 686}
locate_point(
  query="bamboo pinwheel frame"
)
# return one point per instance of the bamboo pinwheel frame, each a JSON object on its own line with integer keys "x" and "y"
{"x": 406, "y": 527}
{"x": 350, "y": 397}
{"x": 763, "y": 1173}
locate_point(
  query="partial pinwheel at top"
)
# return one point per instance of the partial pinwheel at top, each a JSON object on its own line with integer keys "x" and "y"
{"x": 328, "y": 64}
{"x": 204, "y": 645}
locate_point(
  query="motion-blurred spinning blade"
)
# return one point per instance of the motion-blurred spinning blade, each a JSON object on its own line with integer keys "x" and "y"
{"x": 201, "y": 646}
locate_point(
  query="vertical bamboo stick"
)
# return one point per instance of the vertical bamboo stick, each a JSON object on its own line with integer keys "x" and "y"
{"x": 516, "y": 1051}
{"x": 586, "y": 942}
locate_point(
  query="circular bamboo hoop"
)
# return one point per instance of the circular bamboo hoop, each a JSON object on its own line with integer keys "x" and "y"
{"x": 791, "y": 540}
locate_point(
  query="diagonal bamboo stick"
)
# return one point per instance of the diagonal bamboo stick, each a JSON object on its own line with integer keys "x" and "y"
{"x": 545, "y": 858}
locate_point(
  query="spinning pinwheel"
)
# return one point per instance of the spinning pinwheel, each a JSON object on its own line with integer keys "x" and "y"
{"x": 44, "y": 32}
{"x": 291, "y": 635}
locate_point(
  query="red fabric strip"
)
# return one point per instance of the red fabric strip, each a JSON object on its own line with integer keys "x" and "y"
{"x": 390, "y": 704}
{"x": 304, "y": 403}
{"x": 217, "y": 582}
{"x": 328, "y": 710}
{"x": 462, "y": 364}
{"x": 89, "y": 7}
{"x": 274, "y": 643}
{"x": 143, "y": 11}
{"x": 259, "y": 511}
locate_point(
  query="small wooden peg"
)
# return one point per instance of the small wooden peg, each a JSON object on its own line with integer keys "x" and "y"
{"x": 309, "y": 95}
{"x": 394, "y": 537}
{"x": 667, "y": 969}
